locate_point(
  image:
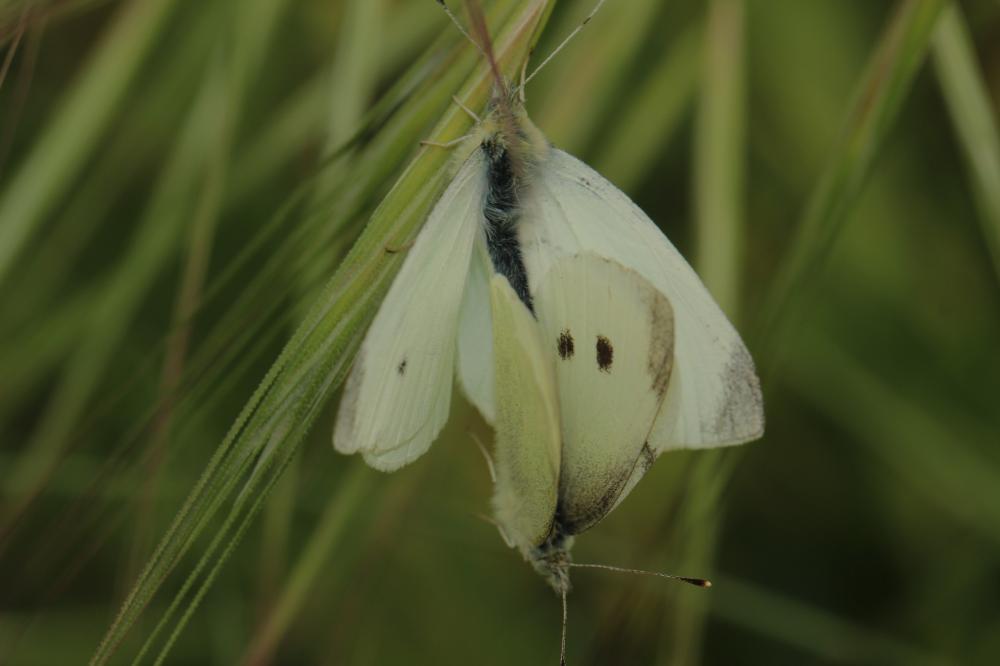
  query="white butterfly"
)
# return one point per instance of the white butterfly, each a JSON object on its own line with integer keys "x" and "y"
{"x": 437, "y": 315}
{"x": 601, "y": 349}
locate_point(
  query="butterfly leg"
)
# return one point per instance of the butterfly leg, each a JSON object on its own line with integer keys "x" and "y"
{"x": 486, "y": 455}
{"x": 454, "y": 142}
{"x": 446, "y": 144}
{"x": 462, "y": 106}
{"x": 524, "y": 74}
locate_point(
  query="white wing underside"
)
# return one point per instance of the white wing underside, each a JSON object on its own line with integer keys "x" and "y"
{"x": 392, "y": 414}
{"x": 527, "y": 424}
{"x": 475, "y": 335}
{"x": 398, "y": 395}
{"x": 609, "y": 334}
{"x": 714, "y": 395}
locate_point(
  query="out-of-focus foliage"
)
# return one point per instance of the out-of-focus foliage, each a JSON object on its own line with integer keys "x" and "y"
{"x": 195, "y": 201}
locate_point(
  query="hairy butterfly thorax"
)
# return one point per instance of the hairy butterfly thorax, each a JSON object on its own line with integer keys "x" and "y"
{"x": 512, "y": 147}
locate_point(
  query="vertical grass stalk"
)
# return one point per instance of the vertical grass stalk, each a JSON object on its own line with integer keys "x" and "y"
{"x": 81, "y": 119}
{"x": 974, "y": 119}
{"x": 877, "y": 102}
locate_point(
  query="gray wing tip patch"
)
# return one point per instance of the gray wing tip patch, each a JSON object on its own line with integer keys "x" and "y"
{"x": 743, "y": 403}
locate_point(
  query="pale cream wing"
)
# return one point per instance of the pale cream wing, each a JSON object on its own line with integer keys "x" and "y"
{"x": 527, "y": 423}
{"x": 610, "y": 334}
{"x": 714, "y": 395}
{"x": 398, "y": 394}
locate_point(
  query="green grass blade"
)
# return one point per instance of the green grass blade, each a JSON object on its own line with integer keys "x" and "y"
{"x": 312, "y": 364}
{"x": 590, "y": 71}
{"x": 974, "y": 119}
{"x": 719, "y": 159}
{"x": 82, "y": 118}
{"x": 653, "y": 117}
{"x": 154, "y": 241}
{"x": 937, "y": 460}
{"x": 811, "y": 629}
{"x": 308, "y": 567}
{"x": 720, "y": 155}
{"x": 351, "y": 84}
{"x": 878, "y": 99}
{"x": 187, "y": 178}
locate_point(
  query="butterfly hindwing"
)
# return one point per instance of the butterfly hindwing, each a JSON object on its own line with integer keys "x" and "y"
{"x": 527, "y": 423}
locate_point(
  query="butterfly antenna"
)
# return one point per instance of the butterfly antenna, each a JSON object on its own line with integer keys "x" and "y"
{"x": 697, "y": 582}
{"x": 566, "y": 41}
{"x": 461, "y": 28}
{"x": 562, "y": 646}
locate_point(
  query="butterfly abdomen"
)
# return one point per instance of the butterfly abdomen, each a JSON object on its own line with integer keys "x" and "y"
{"x": 502, "y": 211}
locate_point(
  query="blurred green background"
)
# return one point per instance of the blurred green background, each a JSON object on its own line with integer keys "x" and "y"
{"x": 180, "y": 180}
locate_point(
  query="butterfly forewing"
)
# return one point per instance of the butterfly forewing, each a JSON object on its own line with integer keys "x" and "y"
{"x": 714, "y": 395}
{"x": 398, "y": 394}
{"x": 611, "y": 336}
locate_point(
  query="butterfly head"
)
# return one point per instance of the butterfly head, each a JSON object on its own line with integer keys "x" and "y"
{"x": 507, "y": 126}
{"x": 552, "y": 561}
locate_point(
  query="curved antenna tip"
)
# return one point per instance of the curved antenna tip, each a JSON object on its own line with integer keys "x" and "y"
{"x": 697, "y": 582}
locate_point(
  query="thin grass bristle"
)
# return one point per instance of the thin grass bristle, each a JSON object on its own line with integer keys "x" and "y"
{"x": 481, "y": 34}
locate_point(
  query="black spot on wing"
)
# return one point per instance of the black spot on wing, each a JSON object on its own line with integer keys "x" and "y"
{"x": 565, "y": 345}
{"x": 605, "y": 354}
{"x": 401, "y": 368}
